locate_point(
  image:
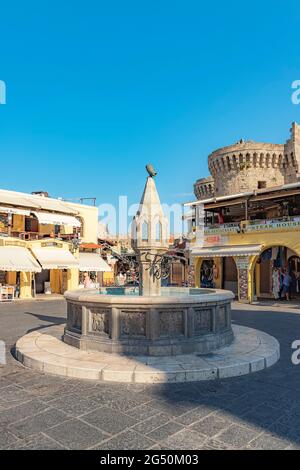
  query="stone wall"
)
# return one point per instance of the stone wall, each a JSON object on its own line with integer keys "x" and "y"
{"x": 292, "y": 154}
{"x": 239, "y": 168}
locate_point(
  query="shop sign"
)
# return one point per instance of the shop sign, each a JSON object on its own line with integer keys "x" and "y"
{"x": 221, "y": 229}
{"x": 274, "y": 225}
{"x": 215, "y": 240}
{"x": 15, "y": 243}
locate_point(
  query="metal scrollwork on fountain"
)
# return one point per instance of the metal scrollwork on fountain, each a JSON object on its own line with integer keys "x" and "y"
{"x": 160, "y": 265}
{"x": 155, "y": 265}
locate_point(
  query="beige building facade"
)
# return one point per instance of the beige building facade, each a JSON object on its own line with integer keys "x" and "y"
{"x": 40, "y": 240}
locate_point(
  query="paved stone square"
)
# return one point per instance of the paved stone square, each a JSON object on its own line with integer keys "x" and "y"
{"x": 258, "y": 411}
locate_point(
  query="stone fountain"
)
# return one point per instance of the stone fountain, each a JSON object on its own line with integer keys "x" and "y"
{"x": 153, "y": 334}
{"x": 155, "y": 321}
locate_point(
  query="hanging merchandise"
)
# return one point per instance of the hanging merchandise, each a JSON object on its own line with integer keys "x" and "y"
{"x": 276, "y": 283}
{"x": 279, "y": 262}
{"x": 283, "y": 256}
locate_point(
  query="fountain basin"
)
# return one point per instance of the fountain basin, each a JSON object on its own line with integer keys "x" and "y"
{"x": 179, "y": 321}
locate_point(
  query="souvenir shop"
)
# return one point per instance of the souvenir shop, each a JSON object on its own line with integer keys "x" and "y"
{"x": 273, "y": 264}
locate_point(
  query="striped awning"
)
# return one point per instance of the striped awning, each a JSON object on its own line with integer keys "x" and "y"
{"x": 48, "y": 218}
{"x": 55, "y": 258}
{"x": 92, "y": 262}
{"x": 16, "y": 258}
{"x": 221, "y": 251}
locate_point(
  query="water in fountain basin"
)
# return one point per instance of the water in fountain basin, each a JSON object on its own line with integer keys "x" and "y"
{"x": 165, "y": 291}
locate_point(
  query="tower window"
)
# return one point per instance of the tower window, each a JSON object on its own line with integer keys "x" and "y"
{"x": 158, "y": 232}
{"x": 144, "y": 232}
{"x": 261, "y": 184}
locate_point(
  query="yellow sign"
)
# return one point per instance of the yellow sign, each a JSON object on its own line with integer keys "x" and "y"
{"x": 15, "y": 243}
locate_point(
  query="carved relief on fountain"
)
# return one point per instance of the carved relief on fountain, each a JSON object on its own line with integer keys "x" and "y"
{"x": 133, "y": 323}
{"x": 100, "y": 320}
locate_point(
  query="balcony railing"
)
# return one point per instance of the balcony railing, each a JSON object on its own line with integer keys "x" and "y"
{"x": 36, "y": 235}
{"x": 39, "y": 236}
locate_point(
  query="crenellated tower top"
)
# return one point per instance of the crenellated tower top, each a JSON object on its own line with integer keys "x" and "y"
{"x": 249, "y": 165}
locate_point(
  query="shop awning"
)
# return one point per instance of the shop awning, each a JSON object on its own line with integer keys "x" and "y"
{"x": 16, "y": 258}
{"x": 55, "y": 258}
{"x": 48, "y": 218}
{"x": 92, "y": 262}
{"x": 233, "y": 250}
{"x": 17, "y": 199}
{"x": 37, "y": 201}
{"x": 50, "y": 204}
{"x": 13, "y": 210}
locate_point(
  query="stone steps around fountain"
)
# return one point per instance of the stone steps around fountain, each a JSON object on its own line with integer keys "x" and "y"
{"x": 251, "y": 351}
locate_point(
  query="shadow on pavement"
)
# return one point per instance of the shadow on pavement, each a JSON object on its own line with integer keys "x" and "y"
{"x": 267, "y": 402}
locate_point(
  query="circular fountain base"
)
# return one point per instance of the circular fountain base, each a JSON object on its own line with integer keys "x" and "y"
{"x": 251, "y": 351}
{"x": 179, "y": 321}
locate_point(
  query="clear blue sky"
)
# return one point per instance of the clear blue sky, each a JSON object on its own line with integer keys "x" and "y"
{"x": 96, "y": 89}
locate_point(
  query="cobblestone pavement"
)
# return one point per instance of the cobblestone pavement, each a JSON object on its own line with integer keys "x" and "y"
{"x": 261, "y": 411}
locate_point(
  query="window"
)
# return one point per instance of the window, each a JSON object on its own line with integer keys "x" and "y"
{"x": 144, "y": 232}
{"x": 158, "y": 232}
{"x": 261, "y": 184}
{"x": 31, "y": 224}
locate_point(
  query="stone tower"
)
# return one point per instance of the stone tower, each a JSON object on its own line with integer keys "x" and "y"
{"x": 150, "y": 238}
{"x": 248, "y": 166}
{"x": 292, "y": 154}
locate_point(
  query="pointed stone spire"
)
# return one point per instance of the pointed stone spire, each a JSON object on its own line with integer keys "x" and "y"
{"x": 149, "y": 237}
{"x": 150, "y": 226}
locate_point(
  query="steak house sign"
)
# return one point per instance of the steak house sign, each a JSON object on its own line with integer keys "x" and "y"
{"x": 276, "y": 225}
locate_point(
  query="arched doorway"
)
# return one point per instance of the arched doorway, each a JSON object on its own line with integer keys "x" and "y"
{"x": 207, "y": 273}
{"x": 220, "y": 273}
{"x": 268, "y": 271}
